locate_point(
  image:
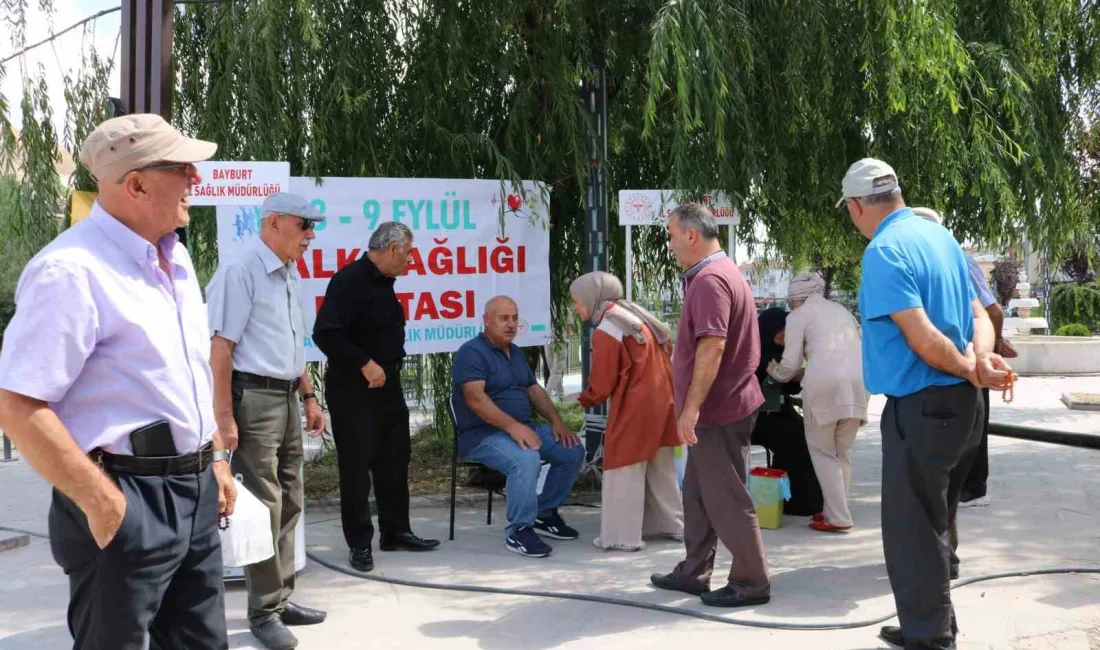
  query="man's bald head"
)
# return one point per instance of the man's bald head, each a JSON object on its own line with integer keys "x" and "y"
{"x": 501, "y": 320}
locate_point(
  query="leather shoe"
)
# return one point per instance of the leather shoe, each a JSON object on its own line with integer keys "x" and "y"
{"x": 298, "y": 615}
{"x": 892, "y": 635}
{"x": 727, "y": 597}
{"x": 361, "y": 559}
{"x": 274, "y": 635}
{"x": 672, "y": 583}
{"x": 406, "y": 542}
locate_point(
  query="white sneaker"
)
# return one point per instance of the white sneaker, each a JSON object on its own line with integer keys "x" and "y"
{"x": 980, "y": 502}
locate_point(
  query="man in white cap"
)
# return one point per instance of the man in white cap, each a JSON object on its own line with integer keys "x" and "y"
{"x": 258, "y": 358}
{"x": 105, "y": 387}
{"x": 928, "y": 346}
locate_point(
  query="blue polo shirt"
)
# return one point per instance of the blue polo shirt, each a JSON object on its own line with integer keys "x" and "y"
{"x": 506, "y": 377}
{"x": 911, "y": 262}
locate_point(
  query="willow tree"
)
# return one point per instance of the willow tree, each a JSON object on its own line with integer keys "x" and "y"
{"x": 977, "y": 103}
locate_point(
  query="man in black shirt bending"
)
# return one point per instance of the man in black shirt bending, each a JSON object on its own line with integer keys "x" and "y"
{"x": 361, "y": 329}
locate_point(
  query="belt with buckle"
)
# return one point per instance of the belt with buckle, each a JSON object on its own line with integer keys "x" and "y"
{"x": 259, "y": 381}
{"x": 192, "y": 463}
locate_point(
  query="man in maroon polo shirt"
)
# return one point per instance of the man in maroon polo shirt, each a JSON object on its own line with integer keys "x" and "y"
{"x": 717, "y": 396}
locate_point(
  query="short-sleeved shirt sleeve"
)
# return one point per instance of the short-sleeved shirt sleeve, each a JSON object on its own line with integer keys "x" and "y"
{"x": 229, "y": 302}
{"x": 52, "y": 333}
{"x": 888, "y": 283}
{"x": 977, "y": 280}
{"x": 468, "y": 366}
{"x": 710, "y": 307}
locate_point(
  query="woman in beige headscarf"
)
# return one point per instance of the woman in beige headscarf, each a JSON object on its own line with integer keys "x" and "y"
{"x": 631, "y": 366}
{"x": 834, "y": 401}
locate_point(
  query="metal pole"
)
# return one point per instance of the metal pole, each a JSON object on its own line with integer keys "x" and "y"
{"x": 629, "y": 264}
{"x": 595, "y": 221}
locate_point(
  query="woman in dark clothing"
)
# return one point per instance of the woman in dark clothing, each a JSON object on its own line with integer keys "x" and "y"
{"x": 779, "y": 427}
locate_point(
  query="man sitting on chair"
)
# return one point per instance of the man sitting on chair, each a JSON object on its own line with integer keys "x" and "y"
{"x": 494, "y": 393}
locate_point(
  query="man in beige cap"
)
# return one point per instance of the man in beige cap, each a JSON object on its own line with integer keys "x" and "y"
{"x": 105, "y": 387}
{"x": 259, "y": 361}
{"x": 927, "y": 346}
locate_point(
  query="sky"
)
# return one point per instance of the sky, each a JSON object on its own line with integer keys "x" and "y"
{"x": 65, "y": 54}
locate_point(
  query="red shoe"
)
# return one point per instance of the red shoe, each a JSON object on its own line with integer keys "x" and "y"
{"x": 825, "y": 527}
{"x": 819, "y": 517}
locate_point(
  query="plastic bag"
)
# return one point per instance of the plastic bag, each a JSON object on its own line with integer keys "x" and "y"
{"x": 768, "y": 486}
{"x": 246, "y": 534}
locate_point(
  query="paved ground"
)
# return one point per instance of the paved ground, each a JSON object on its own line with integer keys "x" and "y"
{"x": 1045, "y": 512}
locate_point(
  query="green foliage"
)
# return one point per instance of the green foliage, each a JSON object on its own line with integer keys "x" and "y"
{"x": 1073, "y": 329}
{"x": 1076, "y": 303}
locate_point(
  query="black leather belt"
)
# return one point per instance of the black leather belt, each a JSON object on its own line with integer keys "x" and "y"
{"x": 259, "y": 381}
{"x": 192, "y": 463}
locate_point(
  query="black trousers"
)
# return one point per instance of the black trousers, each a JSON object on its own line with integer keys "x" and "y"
{"x": 925, "y": 436}
{"x": 978, "y": 475}
{"x": 370, "y": 427}
{"x": 159, "y": 580}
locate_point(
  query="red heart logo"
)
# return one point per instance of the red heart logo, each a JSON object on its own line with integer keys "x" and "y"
{"x": 514, "y": 201}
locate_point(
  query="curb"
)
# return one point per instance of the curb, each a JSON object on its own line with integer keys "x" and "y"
{"x": 13, "y": 542}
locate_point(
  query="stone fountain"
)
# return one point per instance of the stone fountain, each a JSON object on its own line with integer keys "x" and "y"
{"x": 1045, "y": 355}
{"x": 1023, "y": 322}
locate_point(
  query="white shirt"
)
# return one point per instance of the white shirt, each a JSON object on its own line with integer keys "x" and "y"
{"x": 104, "y": 336}
{"x": 254, "y": 302}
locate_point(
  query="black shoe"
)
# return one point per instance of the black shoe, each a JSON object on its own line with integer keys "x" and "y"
{"x": 274, "y": 635}
{"x": 672, "y": 583}
{"x": 726, "y": 597}
{"x": 298, "y": 615}
{"x": 525, "y": 542}
{"x": 954, "y": 572}
{"x": 406, "y": 542}
{"x": 554, "y": 526}
{"x": 361, "y": 559}
{"x": 892, "y": 635}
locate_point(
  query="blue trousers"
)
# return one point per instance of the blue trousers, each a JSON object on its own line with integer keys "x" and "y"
{"x": 500, "y": 452}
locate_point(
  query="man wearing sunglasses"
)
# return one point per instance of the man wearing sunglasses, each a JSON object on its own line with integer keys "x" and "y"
{"x": 105, "y": 387}
{"x": 258, "y": 358}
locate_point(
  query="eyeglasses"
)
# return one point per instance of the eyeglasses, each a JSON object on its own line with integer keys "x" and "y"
{"x": 163, "y": 167}
{"x": 307, "y": 224}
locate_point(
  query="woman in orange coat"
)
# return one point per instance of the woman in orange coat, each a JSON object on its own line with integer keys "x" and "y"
{"x": 631, "y": 366}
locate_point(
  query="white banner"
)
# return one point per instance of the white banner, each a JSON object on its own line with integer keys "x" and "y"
{"x": 460, "y": 258}
{"x": 651, "y": 207}
{"x": 239, "y": 183}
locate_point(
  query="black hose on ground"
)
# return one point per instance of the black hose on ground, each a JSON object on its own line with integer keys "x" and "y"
{"x": 669, "y": 609}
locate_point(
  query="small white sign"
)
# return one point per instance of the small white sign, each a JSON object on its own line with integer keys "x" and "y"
{"x": 239, "y": 183}
{"x": 651, "y": 207}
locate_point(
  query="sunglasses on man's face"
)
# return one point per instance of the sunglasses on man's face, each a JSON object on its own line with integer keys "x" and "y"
{"x": 165, "y": 167}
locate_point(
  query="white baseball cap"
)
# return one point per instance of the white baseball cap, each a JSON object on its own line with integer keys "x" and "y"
{"x": 929, "y": 214}
{"x": 290, "y": 204}
{"x": 131, "y": 142}
{"x": 867, "y": 177}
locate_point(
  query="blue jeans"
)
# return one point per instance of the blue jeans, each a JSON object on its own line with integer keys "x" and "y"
{"x": 500, "y": 452}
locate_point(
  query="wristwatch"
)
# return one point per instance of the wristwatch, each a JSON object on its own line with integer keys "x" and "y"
{"x": 309, "y": 396}
{"x": 220, "y": 454}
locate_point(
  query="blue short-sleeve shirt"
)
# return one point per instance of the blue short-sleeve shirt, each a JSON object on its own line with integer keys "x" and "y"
{"x": 911, "y": 262}
{"x": 506, "y": 377}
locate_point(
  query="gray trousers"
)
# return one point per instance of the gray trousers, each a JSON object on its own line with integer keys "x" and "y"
{"x": 717, "y": 506}
{"x": 925, "y": 436}
{"x": 269, "y": 461}
{"x": 158, "y": 583}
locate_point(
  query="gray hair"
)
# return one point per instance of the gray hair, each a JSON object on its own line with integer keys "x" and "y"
{"x": 880, "y": 199}
{"x": 697, "y": 216}
{"x": 389, "y": 233}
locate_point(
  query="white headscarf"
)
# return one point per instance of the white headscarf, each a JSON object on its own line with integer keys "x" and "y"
{"x": 805, "y": 285}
